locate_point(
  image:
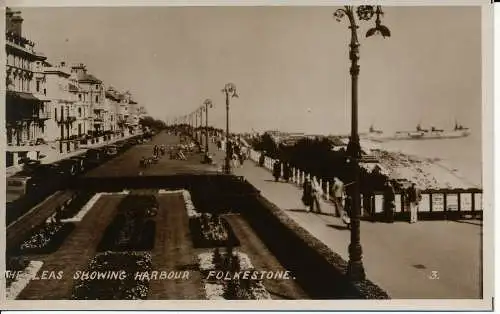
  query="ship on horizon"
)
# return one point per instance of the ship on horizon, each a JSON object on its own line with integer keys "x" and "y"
{"x": 419, "y": 133}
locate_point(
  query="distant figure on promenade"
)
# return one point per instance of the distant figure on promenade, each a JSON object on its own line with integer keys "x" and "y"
{"x": 277, "y": 170}
{"x": 307, "y": 194}
{"x": 316, "y": 193}
{"x": 235, "y": 160}
{"x": 262, "y": 159}
{"x": 368, "y": 195}
{"x": 287, "y": 171}
{"x": 229, "y": 148}
{"x": 242, "y": 155}
{"x": 389, "y": 205}
{"x": 338, "y": 195}
{"x": 414, "y": 198}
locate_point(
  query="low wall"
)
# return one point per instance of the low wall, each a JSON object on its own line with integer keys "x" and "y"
{"x": 317, "y": 269}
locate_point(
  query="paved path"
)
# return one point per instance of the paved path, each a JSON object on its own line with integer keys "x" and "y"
{"x": 399, "y": 257}
{"x": 263, "y": 260}
{"x": 174, "y": 251}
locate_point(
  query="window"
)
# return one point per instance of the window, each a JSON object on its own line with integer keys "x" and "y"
{"x": 55, "y": 113}
{"x": 38, "y": 86}
{"x": 79, "y": 112}
{"x": 97, "y": 87}
{"x": 96, "y": 98}
{"x": 79, "y": 96}
{"x": 45, "y": 91}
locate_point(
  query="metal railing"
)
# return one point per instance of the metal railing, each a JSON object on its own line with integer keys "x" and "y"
{"x": 433, "y": 200}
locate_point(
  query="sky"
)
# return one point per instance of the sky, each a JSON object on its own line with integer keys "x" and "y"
{"x": 290, "y": 64}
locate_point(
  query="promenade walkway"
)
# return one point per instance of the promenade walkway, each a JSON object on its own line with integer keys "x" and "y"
{"x": 426, "y": 260}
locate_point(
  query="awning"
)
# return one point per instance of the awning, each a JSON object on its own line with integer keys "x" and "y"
{"x": 22, "y": 96}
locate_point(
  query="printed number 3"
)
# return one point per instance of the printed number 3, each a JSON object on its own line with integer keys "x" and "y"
{"x": 434, "y": 275}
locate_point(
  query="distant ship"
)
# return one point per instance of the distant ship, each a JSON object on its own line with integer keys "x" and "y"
{"x": 420, "y": 134}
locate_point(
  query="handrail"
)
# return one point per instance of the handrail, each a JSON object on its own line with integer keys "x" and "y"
{"x": 463, "y": 195}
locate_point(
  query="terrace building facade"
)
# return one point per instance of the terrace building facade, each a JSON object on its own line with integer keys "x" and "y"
{"x": 91, "y": 95}
{"x": 26, "y": 112}
{"x": 112, "y": 102}
{"x": 65, "y": 121}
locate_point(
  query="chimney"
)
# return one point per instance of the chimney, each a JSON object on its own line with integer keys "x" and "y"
{"x": 14, "y": 22}
{"x": 79, "y": 69}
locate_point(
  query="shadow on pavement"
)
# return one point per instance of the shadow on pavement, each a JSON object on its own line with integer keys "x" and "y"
{"x": 338, "y": 227}
{"x": 475, "y": 223}
{"x": 298, "y": 210}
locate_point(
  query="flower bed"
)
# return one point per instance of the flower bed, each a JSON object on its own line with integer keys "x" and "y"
{"x": 211, "y": 231}
{"x": 47, "y": 238}
{"x": 118, "y": 280}
{"x": 133, "y": 228}
{"x": 22, "y": 279}
{"x": 234, "y": 288}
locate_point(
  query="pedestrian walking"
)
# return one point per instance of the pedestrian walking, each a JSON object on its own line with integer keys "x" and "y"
{"x": 287, "y": 171}
{"x": 338, "y": 199}
{"x": 262, "y": 159}
{"x": 307, "y": 194}
{"x": 389, "y": 202}
{"x": 241, "y": 156}
{"x": 414, "y": 198}
{"x": 338, "y": 194}
{"x": 316, "y": 194}
{"x": 277, "y": 170}
{"x": 368, "y": 196}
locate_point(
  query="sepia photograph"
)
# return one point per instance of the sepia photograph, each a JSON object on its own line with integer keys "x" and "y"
{"x": 267, "y": 153}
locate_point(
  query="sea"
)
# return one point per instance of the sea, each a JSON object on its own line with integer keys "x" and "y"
{"x": 463, "y": 155}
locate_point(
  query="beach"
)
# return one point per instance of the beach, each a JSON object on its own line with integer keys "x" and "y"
{"x": 441, "y": 163}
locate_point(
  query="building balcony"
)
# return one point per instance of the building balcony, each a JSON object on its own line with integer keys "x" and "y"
{"x": 66, "y": 119}
{"x": 42, "y": 115}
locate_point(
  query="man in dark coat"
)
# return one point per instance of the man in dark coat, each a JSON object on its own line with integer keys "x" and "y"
{"x": 277, "y": 170}
{"x": 307, "y": 194}
{"x": 287, "y": 171}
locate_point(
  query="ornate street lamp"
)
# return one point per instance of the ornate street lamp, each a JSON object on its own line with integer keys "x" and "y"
{"x": 230, "y": 91}
{"x": 208, "y": 104}
{"x": 355, "y": 268}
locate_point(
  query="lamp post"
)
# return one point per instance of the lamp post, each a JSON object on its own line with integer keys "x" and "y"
{"x": 196, "y": 125}
{"x": 208, "y": 104}
{"x": 230, "y": 91}
{"x": 200, "y": 133}
{"x": 355, "y": 268}
{"x": 192, "y": 124}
